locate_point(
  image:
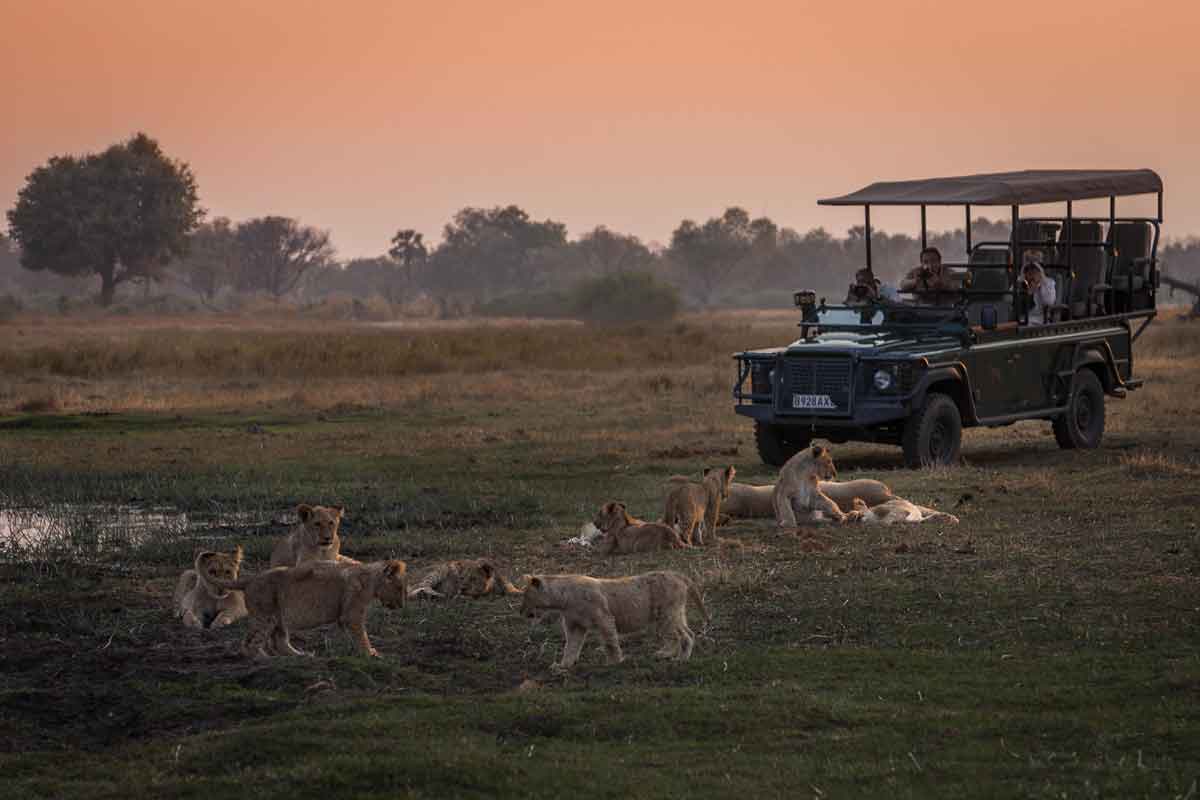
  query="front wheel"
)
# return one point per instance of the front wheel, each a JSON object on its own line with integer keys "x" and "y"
{"x": 1081, "y": 426}
{"x": 933, "y": 434}
{"x": 777, "y": 443}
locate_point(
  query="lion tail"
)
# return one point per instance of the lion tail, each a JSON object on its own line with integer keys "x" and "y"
{"x": 694, "y": 594}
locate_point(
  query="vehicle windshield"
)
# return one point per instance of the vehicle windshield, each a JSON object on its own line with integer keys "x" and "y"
{"x": 878, "y": 315}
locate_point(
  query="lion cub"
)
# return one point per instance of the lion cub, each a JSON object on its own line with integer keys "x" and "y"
{"x": 696, "y": 507}
{"x": 626, "y": 534}
{"x": 315, "y": 593}
{"x": 475, "y": 578}
{"x": 314, "y": 539}
{"x": 614, "y": 606}
{"x": 202, "y": 605}
{"x": 799, "y": 488}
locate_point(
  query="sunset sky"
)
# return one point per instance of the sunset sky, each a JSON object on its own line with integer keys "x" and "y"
{"x": 364, "y": 116}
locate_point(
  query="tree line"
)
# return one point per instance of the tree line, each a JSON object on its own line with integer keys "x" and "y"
{"x": 131, "y": 215}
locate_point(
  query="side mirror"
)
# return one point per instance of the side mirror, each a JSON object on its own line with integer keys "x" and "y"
{"x": 987, "y": 317}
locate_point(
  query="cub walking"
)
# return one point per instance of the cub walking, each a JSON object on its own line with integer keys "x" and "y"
{"x": 614, "y": 606}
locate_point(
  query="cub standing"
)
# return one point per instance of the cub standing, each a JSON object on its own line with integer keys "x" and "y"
{"x": 614, "y": 606}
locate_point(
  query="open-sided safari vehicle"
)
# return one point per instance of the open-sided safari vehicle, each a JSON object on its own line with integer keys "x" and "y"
{"x": 913, "y": 372}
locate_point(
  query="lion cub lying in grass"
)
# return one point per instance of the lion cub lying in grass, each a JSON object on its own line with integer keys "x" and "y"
{"x": 475, "y": 578}
{"x": 897, "y": 510}
{"x": 315, "y": 593}
{"x": 696, "y": 507}
{"x": 626, "y": 534}
{"x": 314, "y": 539}
{"x": 614, "y": 606}
{"x": 202, "y": 605}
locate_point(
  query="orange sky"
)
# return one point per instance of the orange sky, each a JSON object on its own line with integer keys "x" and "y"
{"x": 362, "y": 116}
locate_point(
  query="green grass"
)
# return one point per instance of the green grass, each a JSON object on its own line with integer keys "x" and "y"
{"x": 1047, "y": 646}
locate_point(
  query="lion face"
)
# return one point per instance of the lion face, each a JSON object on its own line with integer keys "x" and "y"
{"x": 535, "y": 601}
{"x": 479, "y": 579}
{"x": 393, "y": 585}
{"x": 610, "y": 515}
{"x": 320, "y": 523}
{"x": 823, "y": 462}
{"x": 219, "y": 566}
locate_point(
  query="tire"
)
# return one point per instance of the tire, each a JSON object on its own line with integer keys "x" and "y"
{"x": 933, "y": 435}
{"x": 1081, "y": 426}
{"x": 776, "y": 443}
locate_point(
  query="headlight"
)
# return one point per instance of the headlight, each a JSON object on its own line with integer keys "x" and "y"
{"x": 883, "y": 379}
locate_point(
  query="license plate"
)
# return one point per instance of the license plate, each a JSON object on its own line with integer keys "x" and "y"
{"x": 813, "y": 401}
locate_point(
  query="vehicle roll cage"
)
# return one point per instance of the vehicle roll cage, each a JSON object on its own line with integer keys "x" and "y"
{"x": 1030, "y": 188}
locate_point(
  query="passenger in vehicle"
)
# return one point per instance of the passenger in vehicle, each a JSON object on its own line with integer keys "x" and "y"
{"x": 929, "y": 282}
{"x": 1040, "y": 288}
{"x": 864, "y": 290}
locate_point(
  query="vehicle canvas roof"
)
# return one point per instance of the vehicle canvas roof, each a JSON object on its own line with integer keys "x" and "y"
{"x": 1005, "y": 188}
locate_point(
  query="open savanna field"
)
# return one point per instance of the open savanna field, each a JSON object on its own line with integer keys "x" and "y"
{"x": 1048, "y": 646}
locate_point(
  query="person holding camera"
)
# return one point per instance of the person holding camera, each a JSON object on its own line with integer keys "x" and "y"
{"x": 929, "y": 282}
{"x": 1039, "y": 288}
{"x": 864, "y": 290}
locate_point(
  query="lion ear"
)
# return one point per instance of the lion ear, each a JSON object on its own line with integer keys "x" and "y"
{"x": 395, "y": 567}
{"x": 304, "y": 511}
{"x": 817, "y": 450}
{"x": 729, "y": 473}
{"x": 341, "y": 510}
{"x": 705, "y": 471}
{"x": 535, "y": 581}
{"x": 486, "y": 568}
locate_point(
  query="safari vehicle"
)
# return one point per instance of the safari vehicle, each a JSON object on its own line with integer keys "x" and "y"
{"x": 910, "y": 372}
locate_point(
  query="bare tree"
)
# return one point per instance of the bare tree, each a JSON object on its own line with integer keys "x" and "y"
{"x": 274, "y": 253}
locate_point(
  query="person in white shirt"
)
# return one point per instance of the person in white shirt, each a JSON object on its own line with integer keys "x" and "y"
{"x": 1041, "y": 288}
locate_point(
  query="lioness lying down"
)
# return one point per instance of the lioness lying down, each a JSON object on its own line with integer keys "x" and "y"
{"x": 315, "y": 593}
{"x": 314, "y": 539}
{"x": 755, "y": 502}
{"x": 614, "y": 606}
{"x": 626, "y": 534}
{"x": 475, "y": 578}
{"x": 202, "y": 605}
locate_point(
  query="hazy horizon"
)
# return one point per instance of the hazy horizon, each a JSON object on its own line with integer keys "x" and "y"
{"x": 366, "y": 117}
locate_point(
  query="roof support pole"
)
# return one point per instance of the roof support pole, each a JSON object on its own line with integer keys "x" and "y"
{"x": 1014, "y": 256}
{"x": 924, "y": 240}
{"x": 968, "y": 231}
{"x": 1112, "y": 210}
{"x": 1160, "y": 206}
{"x": 867, "y": 210}
{"x": 1070, "y": 237}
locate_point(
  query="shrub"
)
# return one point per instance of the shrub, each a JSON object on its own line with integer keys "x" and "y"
{"x": 547, "y": 305}
{"x": 625, "y": 297}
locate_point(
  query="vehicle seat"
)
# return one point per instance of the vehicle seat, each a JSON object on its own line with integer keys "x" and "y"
{"x": 1087, "y": 263}
{"x": 990, "y": 284}
{"x": 1130, "y": 264}
{"x": 1062, "y": 288}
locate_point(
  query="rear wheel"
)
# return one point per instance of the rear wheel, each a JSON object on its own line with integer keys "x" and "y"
{"x": 1081, "y": 426}
{"x": 933, "y": 435}
{"x": 777, "y": 443}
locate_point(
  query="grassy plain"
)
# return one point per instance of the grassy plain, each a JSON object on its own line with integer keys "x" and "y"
{"x": 1048, "y": 646}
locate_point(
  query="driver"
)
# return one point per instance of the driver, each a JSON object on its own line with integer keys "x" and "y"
{"x": 929, "y": 282}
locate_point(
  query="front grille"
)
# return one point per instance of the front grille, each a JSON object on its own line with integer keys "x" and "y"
{"x": 816, "y": 386}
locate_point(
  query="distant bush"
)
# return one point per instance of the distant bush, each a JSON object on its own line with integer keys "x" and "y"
{"x": 546, "y": 305}
{"x": 625, "y": 297}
